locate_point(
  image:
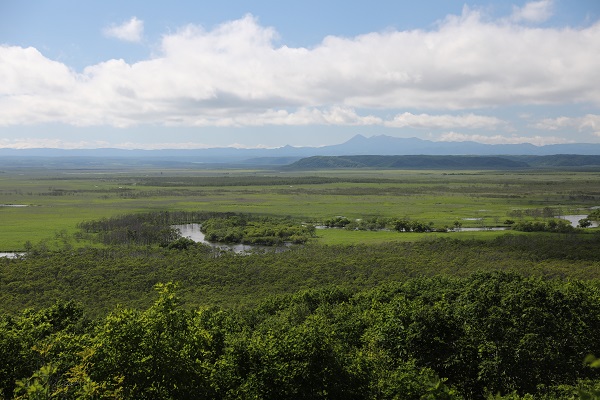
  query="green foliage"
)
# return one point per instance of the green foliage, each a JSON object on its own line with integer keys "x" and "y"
{"x": 263, "y": 231}
{"x": 406, "y": 225}
{"x": 406, "y": 162}
{"x": 552, "y": 225}
{"x": 584, "y": 223}
{"x": 30, "y": 340}
{"x": 39, "y": 386}
{"x": 594, "y": 215}
{"x": 181, "y": 244}
{"x": 425, "y": 338}
{"x": 336, "y": 222}
{"x": 99, "y": 279}
{"x": 381, "y": 223}
{"x": 154, "y": 354}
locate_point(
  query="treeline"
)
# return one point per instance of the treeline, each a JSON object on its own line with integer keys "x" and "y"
{"x": 455, "y": 162}
{"x": 407, "y": 162}
{"x": 379, "y": 223}
{"x": 555, "y": 225}
{"x": 559, "y": 160}
{"x": 488, "y": 335}
{"x": 552, "y": 225}
{"x": 250, "y": 180}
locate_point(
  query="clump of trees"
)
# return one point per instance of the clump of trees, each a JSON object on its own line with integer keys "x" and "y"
{"x": 336, "y": 222}
{"x": 545, "y": 212}
{"x": 380, "y": 223}
{"x": 263, "y": 231}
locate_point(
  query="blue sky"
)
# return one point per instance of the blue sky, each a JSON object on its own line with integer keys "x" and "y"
{"x": 189, "y": 74}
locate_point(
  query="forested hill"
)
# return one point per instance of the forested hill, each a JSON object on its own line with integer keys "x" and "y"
{"x": 419, "y": 162}
{"x": 445, "y": 162}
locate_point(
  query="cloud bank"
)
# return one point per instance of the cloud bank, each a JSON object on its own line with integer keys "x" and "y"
{"x": 500, "y": 139}
{"x": 236, "y": 75}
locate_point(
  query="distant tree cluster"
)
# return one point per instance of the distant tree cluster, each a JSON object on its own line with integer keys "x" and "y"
{"x": 380, "y": 223}
{"x": 263, "y": 231}
{"x": 552, "y": 225}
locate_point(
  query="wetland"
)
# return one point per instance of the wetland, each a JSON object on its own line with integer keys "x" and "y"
{"x": 415, "y": 276}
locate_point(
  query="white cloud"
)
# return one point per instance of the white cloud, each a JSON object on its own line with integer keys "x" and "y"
{"x": 235, "y": 75}
{"x": 589, "y": 122}
{"x": 178, "y": 145}
{"x": 466, "y": 121}
{"x": 37, "y": 143}
{"x": 535, "y": 11}
{"x": 499, "y": 139}
{"x": 129, "y": 31}
{"x": 344, "y": 116}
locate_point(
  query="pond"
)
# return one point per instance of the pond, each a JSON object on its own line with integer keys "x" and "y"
{"x": 192, "y": 231}
{"x": 574, "y": 219}
{"x": 10, "y": 254}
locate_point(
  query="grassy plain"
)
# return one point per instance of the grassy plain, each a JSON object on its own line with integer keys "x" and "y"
{"x": 57, "y": 200}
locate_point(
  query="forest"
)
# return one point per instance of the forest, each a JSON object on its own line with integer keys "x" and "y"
{"x": 372, "y": 285}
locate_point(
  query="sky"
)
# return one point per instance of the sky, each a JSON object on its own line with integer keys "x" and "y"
{"x": 269, "y": 73}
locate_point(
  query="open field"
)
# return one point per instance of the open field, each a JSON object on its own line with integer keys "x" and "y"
{"x": 57, "y": 200}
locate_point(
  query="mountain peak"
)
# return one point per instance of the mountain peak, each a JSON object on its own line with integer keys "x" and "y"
{"x": 357, "y": 139}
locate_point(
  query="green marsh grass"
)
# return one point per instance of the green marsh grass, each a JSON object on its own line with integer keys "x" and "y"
{"x": 58, "y": 200}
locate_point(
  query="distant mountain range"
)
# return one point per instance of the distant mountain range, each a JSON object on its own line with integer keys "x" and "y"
{"x": 358, "y": 145}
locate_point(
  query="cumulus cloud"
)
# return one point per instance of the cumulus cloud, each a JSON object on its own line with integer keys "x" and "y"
{"x": 589, "y": 122}
{"x": 499, "y": 139}
{"x": 129, "y": 31}
{"x": 236, "y": 75}
{"x": 535, "y": 11}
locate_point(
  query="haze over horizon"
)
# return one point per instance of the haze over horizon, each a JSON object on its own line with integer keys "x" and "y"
{"x": 157, "y": 76}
